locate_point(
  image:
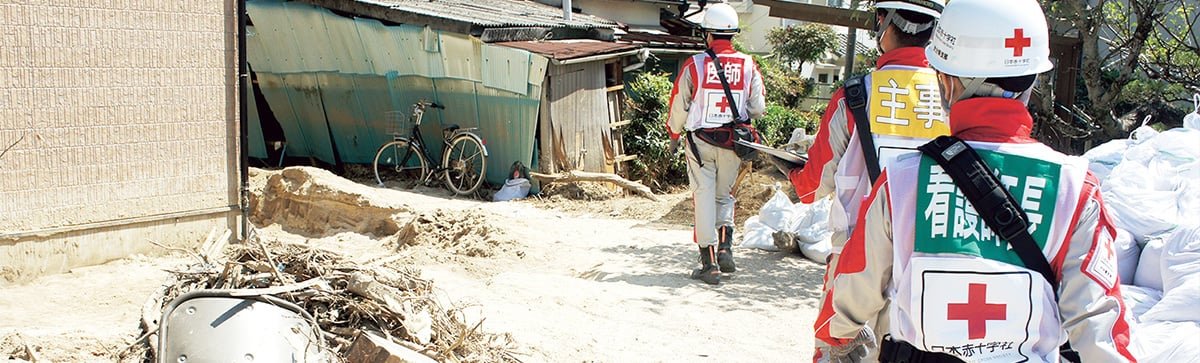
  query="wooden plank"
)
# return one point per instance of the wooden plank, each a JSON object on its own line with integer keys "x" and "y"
{"x": 374, "y": 348}
{"x": 624, "y": 158}
{"x": 546, "y": 129}
{"x": 618, "y": 87}
{"x": 620, "y": 123}
{"x": 820, "y": 14}
{"x": 574, "y": 176}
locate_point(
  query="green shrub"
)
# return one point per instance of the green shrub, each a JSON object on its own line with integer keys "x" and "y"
{"x": 783, "y": 87}
{"x": 777, "y": 125}
{"x": 649, "y": 96}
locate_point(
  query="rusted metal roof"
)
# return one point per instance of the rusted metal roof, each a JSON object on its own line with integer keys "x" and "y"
{"x": 475, "y": 13}
{"x": 570, "y": 49}
{"x": 653, "y": 40}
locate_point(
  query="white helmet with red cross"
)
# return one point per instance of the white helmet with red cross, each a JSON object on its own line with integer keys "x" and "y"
{"x": 991, "y": 39}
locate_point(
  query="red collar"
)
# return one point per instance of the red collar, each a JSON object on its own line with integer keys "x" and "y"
{"x": 991, "y": 119}
{"x": 906, "y": 56}
{"x": 722, "y": 46}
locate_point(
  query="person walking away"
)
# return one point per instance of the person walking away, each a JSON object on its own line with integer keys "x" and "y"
{"x": 713, "y": 92}
{"x": 991, "y": 246}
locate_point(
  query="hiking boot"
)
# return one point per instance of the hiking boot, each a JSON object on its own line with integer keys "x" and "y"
{"x": 708, "y": 271}
{"x": 725, "y": 249}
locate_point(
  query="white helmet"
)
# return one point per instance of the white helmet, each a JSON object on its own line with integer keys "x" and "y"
{"x": 720, "y": 19}
{"x": 928, "y": 7}
{"x": 989, "y": 39}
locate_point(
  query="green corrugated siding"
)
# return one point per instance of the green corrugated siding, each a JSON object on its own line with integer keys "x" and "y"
{"x": 333, "y": 91}
{"x": 257, "y": 149}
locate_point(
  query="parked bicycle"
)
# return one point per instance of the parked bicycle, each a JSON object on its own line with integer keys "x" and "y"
{"x": 405, "y": 159}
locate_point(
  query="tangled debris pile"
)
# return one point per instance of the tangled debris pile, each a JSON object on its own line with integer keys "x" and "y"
{"x": 352, "y": 301}
{"x": 459, "y": 232}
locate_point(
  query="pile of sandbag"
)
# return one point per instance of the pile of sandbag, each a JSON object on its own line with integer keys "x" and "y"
{"x": 1164, "y": 315}
{"x": 1151, "y": 186}
{"x": 806, "y": 226}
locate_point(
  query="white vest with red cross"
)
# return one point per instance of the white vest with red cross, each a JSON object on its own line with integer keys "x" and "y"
{"x": 958, "y": 288}
{"x": 710, "y": 107}
{"x": 905, "y": 111}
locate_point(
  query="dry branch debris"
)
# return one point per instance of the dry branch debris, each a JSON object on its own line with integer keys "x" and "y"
{"x": 573, "y": 176}
{"x": 346, "y": 298}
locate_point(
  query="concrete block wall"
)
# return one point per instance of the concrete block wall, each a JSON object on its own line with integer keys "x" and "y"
{"x": 117, "y": 116}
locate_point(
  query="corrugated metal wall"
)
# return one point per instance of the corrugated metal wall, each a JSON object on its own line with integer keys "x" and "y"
{"x": 580, "y": 115}
{"x": 329, "y": 79}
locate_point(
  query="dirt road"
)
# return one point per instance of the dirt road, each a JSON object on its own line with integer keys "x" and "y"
{"x": 569, "y": 280}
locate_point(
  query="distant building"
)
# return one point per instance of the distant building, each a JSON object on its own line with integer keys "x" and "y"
{"x": 535, "y": 84}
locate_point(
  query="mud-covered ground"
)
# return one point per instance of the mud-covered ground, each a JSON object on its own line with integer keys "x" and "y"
{"x": 579, "y": 274}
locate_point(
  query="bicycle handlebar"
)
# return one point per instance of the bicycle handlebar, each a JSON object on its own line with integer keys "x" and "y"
{"x": 437, "y": 106}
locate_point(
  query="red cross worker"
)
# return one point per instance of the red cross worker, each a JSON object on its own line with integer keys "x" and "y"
{"x": 951, "y": 286}
{"x": 714, "y": 91}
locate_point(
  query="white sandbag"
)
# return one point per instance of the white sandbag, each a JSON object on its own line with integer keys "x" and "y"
{"x": 1192, "y": 120}
{"x": 757, "y": 235}
{"x": 1102, "y": 159}
{"x": 801, "y": 216}
{"x": 1139, "y": 300}
{"x": 513, "y": 189}
{"x": 817, "y": 251}
{"x": 1181, "y": 258}
{"x": 1166, "y": 342}
{"x": 778, "y": 211}
{"x": 1143, "y": 133}
{"x": 1182, "y": 144}
{"x": 816, "y": 226}
{"x": 1149, "y": 268}
{"x": 1179, "y": 304}
{"x": 1128, "y": 253}
{"x": 1153, "y": 188}
{"x": 1135, "y": 204}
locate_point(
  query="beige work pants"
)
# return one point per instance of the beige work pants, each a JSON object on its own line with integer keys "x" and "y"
{"x": 711, "y": 181}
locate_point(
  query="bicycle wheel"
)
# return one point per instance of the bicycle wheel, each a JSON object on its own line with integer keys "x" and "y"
{"x": 465, "y": 164}
{"x": 400, "y": 162}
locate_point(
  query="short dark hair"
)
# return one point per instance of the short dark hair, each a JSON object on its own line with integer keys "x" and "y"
{"x": 906, "y": 39}
{"x": 722, "y": 36}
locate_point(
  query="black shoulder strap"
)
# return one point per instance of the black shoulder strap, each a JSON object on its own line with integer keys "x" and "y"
{"x": 737, "y": 116}
{"x": 856, "y": 98}
{"x": 990, "y": 199}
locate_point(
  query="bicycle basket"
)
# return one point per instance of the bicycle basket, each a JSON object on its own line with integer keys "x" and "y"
{"x": 399, "y": 123}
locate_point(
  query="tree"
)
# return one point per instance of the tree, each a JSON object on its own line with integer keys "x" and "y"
{"x": 1173, "y": 55}
{"x": 801, "y": 44}
{"x": 1124, "y": 43}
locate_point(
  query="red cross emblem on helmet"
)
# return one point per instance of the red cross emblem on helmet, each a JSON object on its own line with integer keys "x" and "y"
{"x": 1018, "y": 42}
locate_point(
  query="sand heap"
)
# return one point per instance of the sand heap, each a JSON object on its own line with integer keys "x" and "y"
{"x": 314, "y": 202}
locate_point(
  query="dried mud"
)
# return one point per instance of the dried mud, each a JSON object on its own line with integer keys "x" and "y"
{"x": 315, "y": 202}
{"x": 465, "y": 233}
